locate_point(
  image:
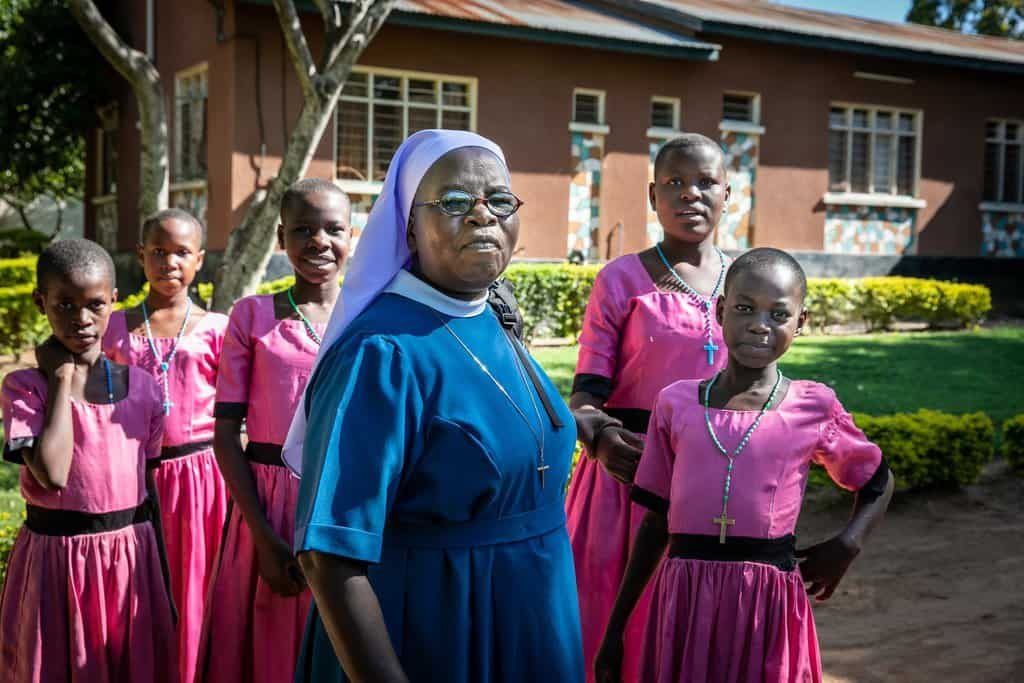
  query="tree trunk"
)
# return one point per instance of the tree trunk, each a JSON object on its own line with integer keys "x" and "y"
{"x": 251, "y": 244}
{"x": 144, "y": 79}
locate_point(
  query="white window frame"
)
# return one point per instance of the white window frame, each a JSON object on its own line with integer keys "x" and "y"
{"x": 601, "y": 127}
{"x": 661, "y": 131}
{"x": 201, "y": 69}
{"x": 836, "y": 197}
{"x": 1001, "y": 140}
{"x": 370, "y": 186}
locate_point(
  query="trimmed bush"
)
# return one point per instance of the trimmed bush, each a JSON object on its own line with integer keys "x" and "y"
{"x": 24, "y": 325}
{"x": 1013, "y": 442}
{"x": 552, "y": 297}
{"x": 17, "y": 271}
{"x": 931, "y": 449}
{"x": 19, "y": 242}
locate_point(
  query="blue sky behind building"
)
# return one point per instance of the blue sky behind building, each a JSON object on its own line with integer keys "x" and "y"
{"x": 886, "y": 10}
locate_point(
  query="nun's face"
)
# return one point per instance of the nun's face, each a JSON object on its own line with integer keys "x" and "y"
{"x": 462, "y": 255}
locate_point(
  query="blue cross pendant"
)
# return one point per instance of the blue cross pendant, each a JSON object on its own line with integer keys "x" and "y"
{"x": 167, "y": 407}
{"x": 711, "y": 347}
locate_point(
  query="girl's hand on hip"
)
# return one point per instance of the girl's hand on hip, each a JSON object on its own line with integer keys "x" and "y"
{"x": 278, "y": 566}
{"x": 823, "y": 565}
{"x": 608, "y": 662}
{"x": 619, "y": 451}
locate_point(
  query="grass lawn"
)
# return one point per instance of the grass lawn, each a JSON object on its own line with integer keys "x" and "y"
{"x": 955, "y": 372}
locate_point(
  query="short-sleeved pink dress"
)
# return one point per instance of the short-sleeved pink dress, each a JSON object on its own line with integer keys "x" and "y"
{"x": 745, "y": 618}
{"x": 250, "y": 633}
{"x": 636, "y": 340}
{"x": 193, "y": 498}
{"x": 85, "y": 598}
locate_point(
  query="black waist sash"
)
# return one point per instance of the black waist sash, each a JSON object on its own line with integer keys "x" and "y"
{"x": 179, "y": 451}
{"x": 778, "y": 552}
{"x": 264, "y": 453}
{"x": 50, "y": 522}
{"x": 633, "y": 419}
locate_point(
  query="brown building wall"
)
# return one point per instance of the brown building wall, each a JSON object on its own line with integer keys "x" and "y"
{"x": 524, "y": 103}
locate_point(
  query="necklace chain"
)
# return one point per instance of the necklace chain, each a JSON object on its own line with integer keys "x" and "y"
{"x": 305, "y": 321}
{"x": 538, "y": 437}
{"x": 704, "y": 303}
{"x": 724, "y": 520}
{"x": 165, "y": 362}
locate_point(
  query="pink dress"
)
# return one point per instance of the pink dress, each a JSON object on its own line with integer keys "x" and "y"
{"x": 732, "y": 621}
{"x": 193, "y": 498}
{"x": 636, "y": 340}
{"x": 91, "y": 607}
{"x": 250, "y": 633}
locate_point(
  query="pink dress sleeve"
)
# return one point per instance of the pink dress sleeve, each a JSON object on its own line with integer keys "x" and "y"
{"x": 602, "y": 323}
{"x": 235, "y": 367}
{"x": 24, "y": 406}
{"x": 843, "y": 450}
{"x": 652, "y": 485}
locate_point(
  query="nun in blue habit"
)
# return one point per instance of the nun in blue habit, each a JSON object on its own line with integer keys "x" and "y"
{"x": 430, "y": 522}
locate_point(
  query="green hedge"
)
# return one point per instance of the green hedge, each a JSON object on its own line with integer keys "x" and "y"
{"x": 930, "y": 449}
{"x": 1013, "y": 442}
{"x": 24, "y": 326}
{"x": 17, "y": 271}
{"x": 552, "y": 297}
{"x": 19, "y": 242}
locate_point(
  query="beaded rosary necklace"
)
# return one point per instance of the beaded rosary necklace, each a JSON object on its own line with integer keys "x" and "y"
{"x": 723, "y": 521}
{"x": 703, "y": 302}
{"x": 165, "y": 363}
{"x": 305, "y": 321}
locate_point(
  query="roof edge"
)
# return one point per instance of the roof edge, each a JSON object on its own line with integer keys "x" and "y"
{"x": 798, "y": 39}
{"x": 551, "y": 36}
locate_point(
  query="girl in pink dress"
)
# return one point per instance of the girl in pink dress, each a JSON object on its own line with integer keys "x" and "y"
{"x": 86, "y": 600}
{"x": 168, "y": 328}
{"x": 258, "y": 600}
{"x": 648, "y": 323}
{"x": 722, "y": 475}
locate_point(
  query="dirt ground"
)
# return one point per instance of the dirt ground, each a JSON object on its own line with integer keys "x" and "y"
{"x": 938, "y": 594}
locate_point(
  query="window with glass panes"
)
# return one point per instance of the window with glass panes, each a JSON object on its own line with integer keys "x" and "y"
{"x": 665, "y": 112}
{"x": 872, "y": 150}
{"x": 1004, "y": 163}
{"x": 190, "y": 125}
{"x": 378, "y": 109}
{"x": 587, "y": 106}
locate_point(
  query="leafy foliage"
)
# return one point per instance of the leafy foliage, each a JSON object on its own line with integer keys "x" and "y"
{"x": 1004, "y": 18}
{"x": 53, "y": 80}
{"x": 1013, "y": 441}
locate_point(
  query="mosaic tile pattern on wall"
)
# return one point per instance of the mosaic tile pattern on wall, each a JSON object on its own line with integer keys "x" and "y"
{"x": 741, "y": 156}
{"x": 1002, "y": 234}
{"x": 869, "y": 230}
{"x": 585, "y": 193}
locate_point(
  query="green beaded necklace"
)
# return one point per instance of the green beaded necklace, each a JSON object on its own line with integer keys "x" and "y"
{"x": 723, "y": 521}
{"x": 305, "y": 321}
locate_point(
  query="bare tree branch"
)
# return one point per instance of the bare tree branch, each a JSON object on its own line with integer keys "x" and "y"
{"x": 366, "y": 19}
{"x": 298, "y": 49}
{"x": 144, "y": 79}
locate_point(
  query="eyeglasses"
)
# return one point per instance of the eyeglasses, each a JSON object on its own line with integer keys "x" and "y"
{"x": 460, "y": 203}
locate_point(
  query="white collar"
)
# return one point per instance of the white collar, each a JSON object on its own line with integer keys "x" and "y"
{"x": 411, "y": 287}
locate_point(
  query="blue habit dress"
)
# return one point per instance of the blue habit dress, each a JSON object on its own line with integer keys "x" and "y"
{"x": 417, "y": 464}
